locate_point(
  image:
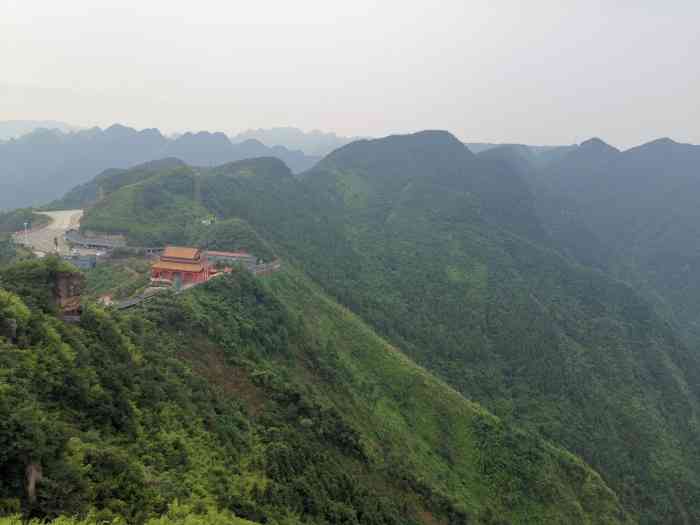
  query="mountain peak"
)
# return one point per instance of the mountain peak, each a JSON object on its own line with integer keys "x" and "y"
{"x": 423, "y": 147}
{"x": 663, "y": 141}
{"x": 422, "y": 139}
{"x": 119, "y": 130}
{"x": 204, "y": 138}
{"x": 435, "y": 136}
{"x": 251, "y": 143}
{"x": 150, "y": 132}
{"x": 596, "y": 143}
{"x": 664, "y": 156}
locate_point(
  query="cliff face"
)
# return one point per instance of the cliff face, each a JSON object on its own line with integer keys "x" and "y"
{"x": 68, "y": 291}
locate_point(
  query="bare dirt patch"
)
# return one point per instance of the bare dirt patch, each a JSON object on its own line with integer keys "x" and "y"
{"x": 209, "y": 361}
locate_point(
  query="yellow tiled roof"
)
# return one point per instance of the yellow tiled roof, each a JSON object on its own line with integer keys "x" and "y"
{"x": 181, "y": 252}
{"x": 178, "y": 267}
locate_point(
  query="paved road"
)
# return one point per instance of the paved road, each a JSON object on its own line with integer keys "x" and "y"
{"x": 42, "y": 241}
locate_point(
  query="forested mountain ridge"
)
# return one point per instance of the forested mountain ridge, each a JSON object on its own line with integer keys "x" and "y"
{"x": 461, "y": 285}
{"x": 263, "y": 399}
{"x": 87, "y": 194}
{"x": 430, "y": 160}
{"x": 633, "y": 213}
{"x": 12, "y": 129}
{"x": 447, "y": 255}
{"x": 42, "y": 165}
{"x": 542, "y": 155}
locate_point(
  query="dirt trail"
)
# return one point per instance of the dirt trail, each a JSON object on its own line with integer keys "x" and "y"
{"x": 43, "y": 241}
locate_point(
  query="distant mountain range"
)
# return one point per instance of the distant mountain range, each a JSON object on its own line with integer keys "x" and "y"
{"x": 12, "y": 129}
{"x": 42, "y": 165}
{"x": 539, "y": 155}
{"x": 317, "y": 143}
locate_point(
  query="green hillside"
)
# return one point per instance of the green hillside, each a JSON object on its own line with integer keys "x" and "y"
{"x": 152, "y": 210}
{"x": 13, "y": 221}
{"x": 263, "y": 400}
{"x": 444, "y": 254}
{"x": 559, "y": 348}
{"x": 88, "y": 194}
{"x": 640, "y": 205}
{"x": 153, "y": 207}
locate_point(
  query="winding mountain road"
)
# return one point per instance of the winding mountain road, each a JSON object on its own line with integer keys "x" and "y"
{"x": 43, "y": 240}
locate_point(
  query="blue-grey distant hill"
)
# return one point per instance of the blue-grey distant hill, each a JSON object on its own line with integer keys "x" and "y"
{"x": 42, "y": 165}
{"x": 12, "y": 129}
{"x": 316, "y": 142}
{"x": 633, "y": 213}
{"x": 539, "y": 155}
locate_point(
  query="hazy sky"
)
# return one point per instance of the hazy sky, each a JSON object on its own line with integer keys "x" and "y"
{"x": 540, "y": 72}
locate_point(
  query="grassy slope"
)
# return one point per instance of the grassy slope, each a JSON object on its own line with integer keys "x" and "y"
{"x": 152, "y": 210}
{"x": 559, "y": 348}
{"x": 451, "y": 442}
{"x": 88, "y": 194}
{"x": 123, "y": 427}
{"x": 13, "y": 221}
{"x": 434, "y": 265}
{"x": 269, "y": 401}
{"x": 9, "y": 251}
{"x": 119, "y": 277}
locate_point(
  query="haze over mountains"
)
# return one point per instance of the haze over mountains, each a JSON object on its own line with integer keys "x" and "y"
{"x": 642, "y": 205}
{"x": 41, "y": 166}
{"x": 313, "y": 143}
{"x": 13, "y": 129}
{"x": 316, "y": 142}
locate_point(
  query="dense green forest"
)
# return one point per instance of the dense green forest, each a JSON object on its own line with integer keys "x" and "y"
{"x": 640, "y": 209}
{"x": 11, "y": 252}
{"x": 263, "y": 400}
{"x": 630, "y": 213}
{"x": 108, "y": 181}
{"x": 120, "y": 277}
{"x": 447, "y": 255}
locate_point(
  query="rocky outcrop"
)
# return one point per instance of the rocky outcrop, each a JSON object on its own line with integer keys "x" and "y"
{"x": 68, "y": 292}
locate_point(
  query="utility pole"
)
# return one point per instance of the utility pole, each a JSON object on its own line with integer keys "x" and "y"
{"x": 26, "y": 233}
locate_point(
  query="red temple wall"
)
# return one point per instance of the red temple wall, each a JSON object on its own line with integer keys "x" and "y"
{"x": 185, "y": 277}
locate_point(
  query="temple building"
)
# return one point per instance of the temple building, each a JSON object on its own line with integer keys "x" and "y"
{"x": 181, "y": 266}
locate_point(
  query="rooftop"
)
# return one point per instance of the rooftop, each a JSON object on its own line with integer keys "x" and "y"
{"x": 181, "y": 252}
{"x": 178, "y": 267}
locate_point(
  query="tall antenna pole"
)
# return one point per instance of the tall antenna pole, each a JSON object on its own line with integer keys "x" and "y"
{"x": 26, "y": 233}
